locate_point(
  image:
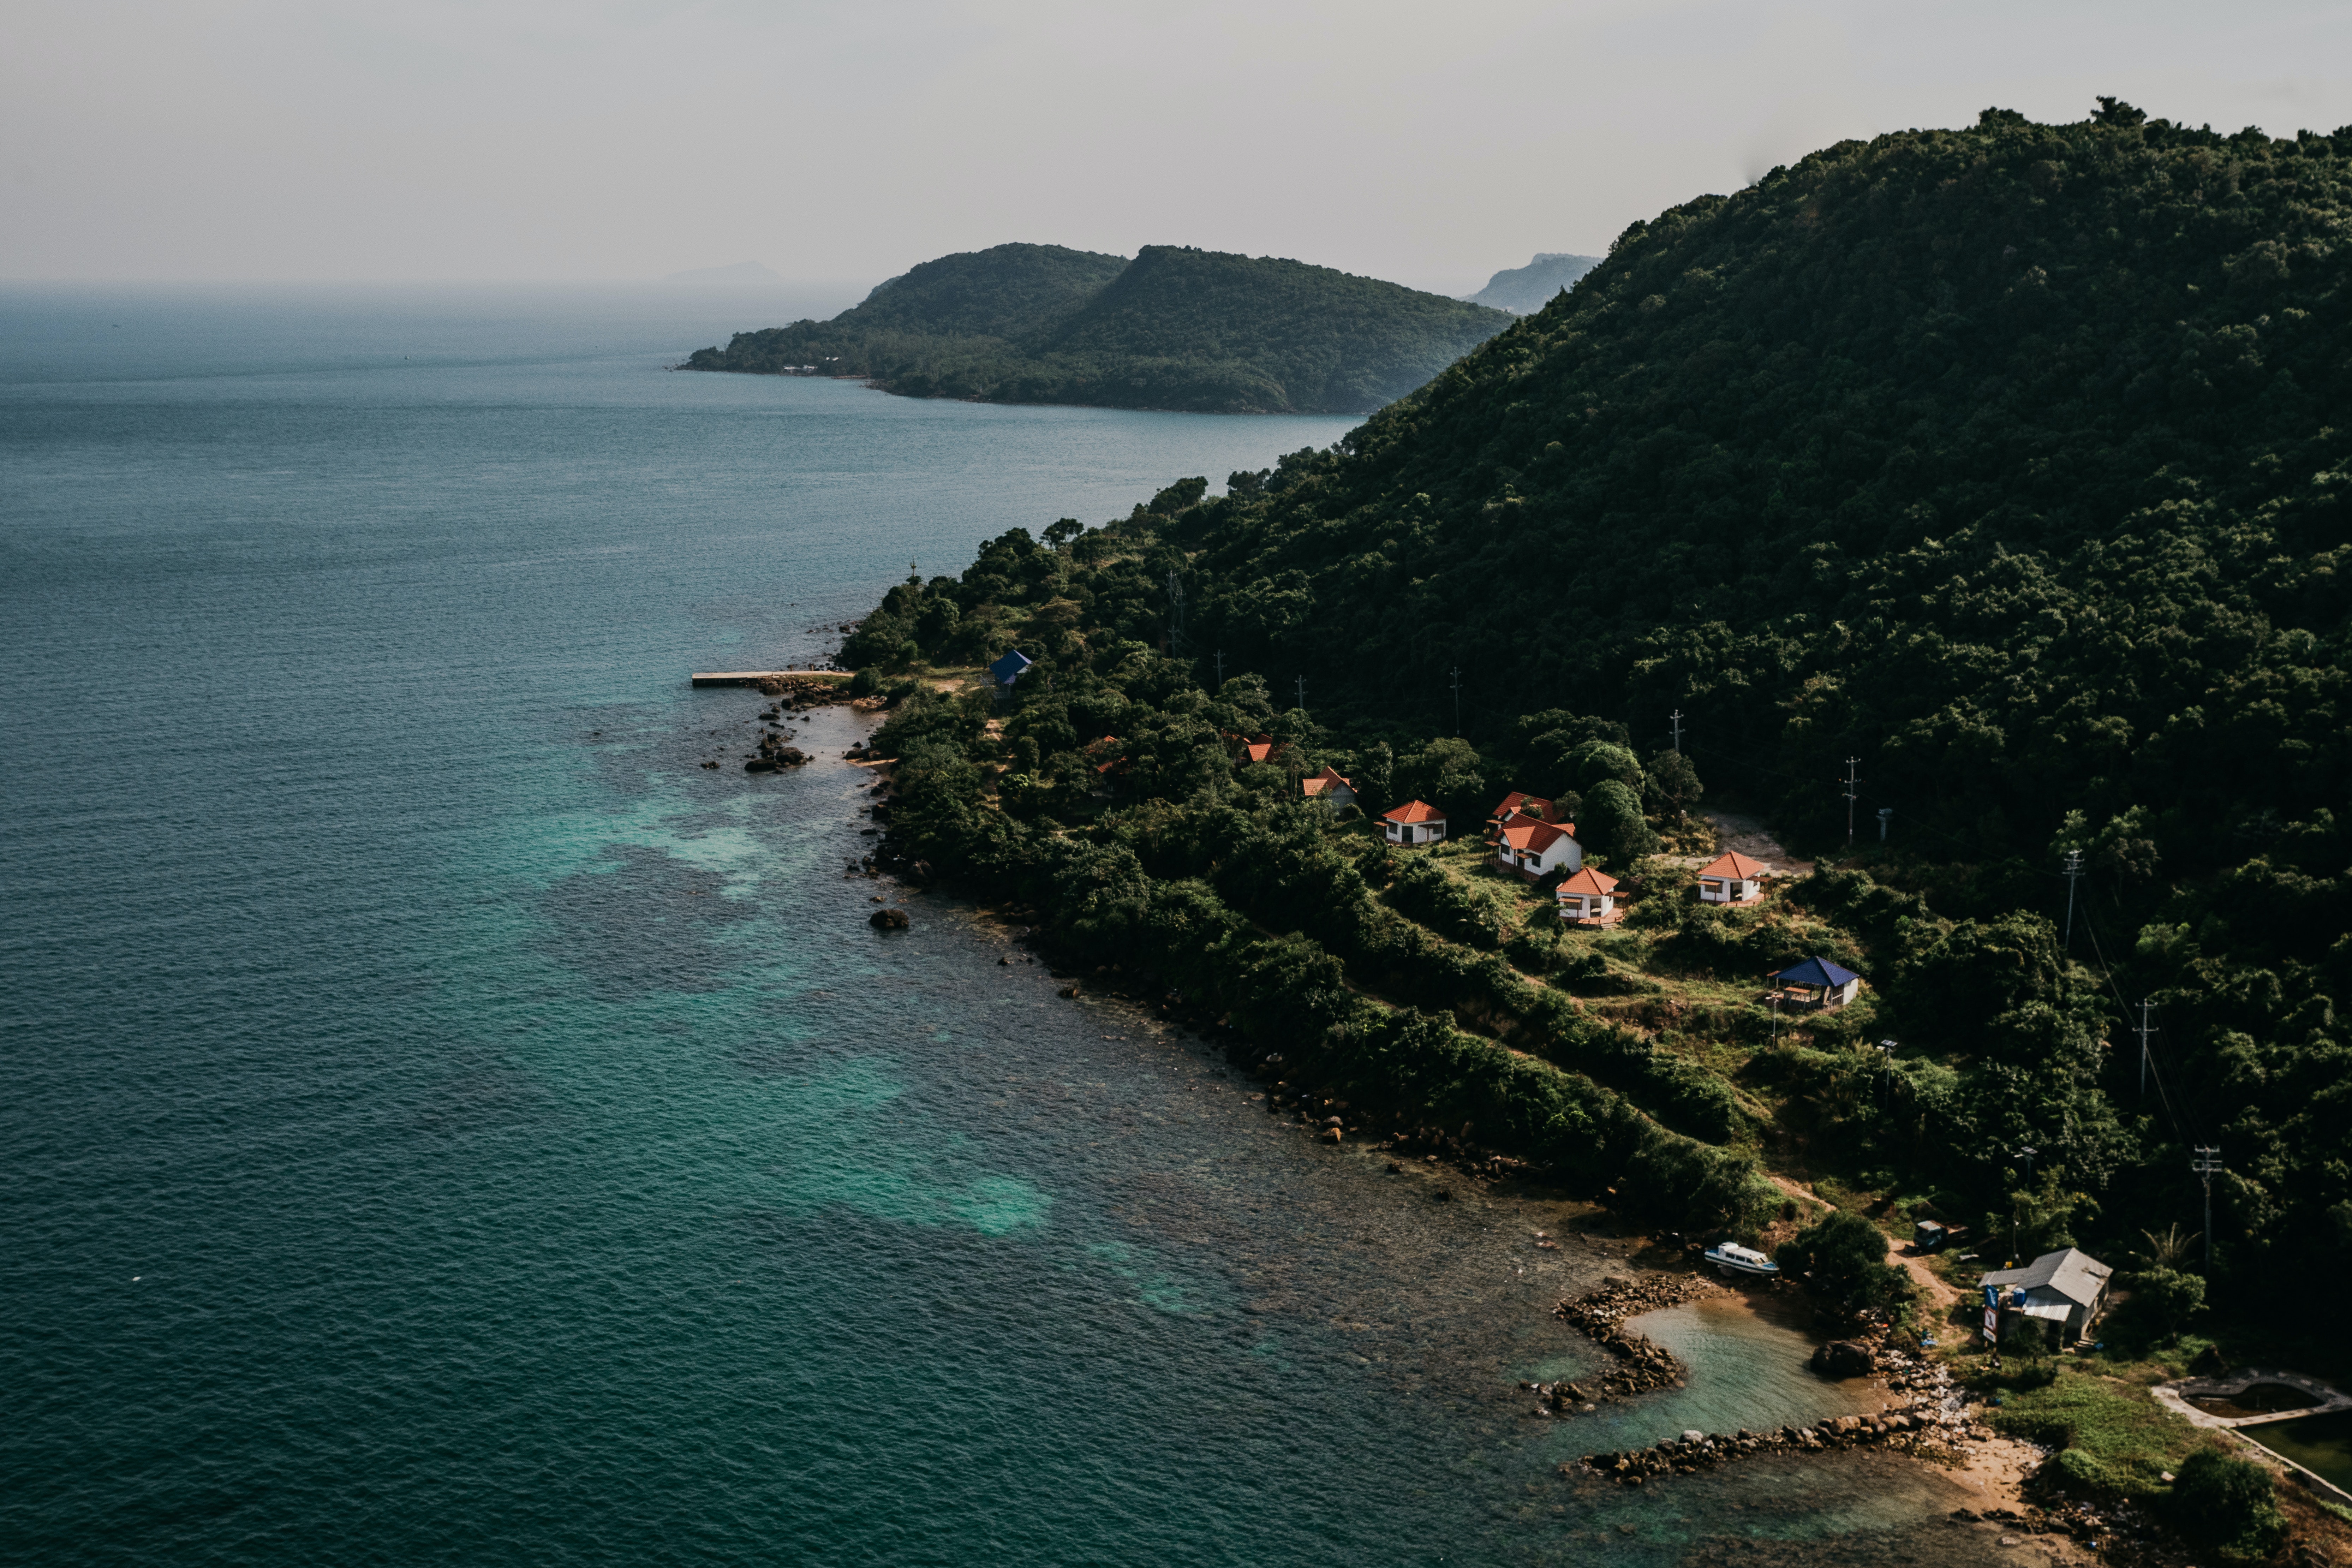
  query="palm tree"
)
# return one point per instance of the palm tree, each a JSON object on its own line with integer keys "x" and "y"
{"x": 2168, "y": 1250}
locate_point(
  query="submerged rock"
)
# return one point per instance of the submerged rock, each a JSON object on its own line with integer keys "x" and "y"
{"x": 888, "y": 919}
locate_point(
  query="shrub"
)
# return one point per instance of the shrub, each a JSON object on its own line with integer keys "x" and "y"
{"x": 2231, "y": 1504}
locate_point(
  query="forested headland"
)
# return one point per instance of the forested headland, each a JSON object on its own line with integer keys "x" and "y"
{"x": 2006, "y": 470}
{"x": 1175, "y": 329}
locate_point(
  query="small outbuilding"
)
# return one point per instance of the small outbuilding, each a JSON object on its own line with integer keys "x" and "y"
{"x": 1590, "y": 899}
{"x": 1007, "y": 670}
{"x": 1536, "y": 849}
{"x": 2065, "y": 1291}
{"x": 1731, "y": 878}
{"x": 1817, "y": 983}
{"x": 1329, "y": 788}
{"x": 1414, "y": 822}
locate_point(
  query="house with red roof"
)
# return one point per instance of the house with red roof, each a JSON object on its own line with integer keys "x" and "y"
{"x": 1414, "y": 822}
{"x": 1731, "y": 879}
{"x": 1535, "y": 848}
{"x": 1329, "y": 788}
{"x": 1590, "y": 899}
{"x": 1517, "y": 804}
{"x": 1263, "y": 749}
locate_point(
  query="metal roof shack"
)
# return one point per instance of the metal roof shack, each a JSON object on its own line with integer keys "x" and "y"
{"x": 2068, "y": 1287}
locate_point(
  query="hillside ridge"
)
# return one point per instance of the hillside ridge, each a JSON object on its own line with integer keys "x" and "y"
{"x": 1175, "y": 328}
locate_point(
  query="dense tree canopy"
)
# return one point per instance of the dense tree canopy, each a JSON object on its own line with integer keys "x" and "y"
{"x": 2010, "y": 462}
{"x": 1176, "y": 328}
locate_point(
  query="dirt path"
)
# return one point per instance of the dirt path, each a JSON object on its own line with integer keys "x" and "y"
{"x": 1747, "y": 836}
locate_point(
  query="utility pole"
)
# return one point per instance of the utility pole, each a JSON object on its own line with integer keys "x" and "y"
{"x": 1850, "y": 783}
{"x": 2144, "y": 1032}
{"x": 1458, "y": 699}
{"x": 1678, "y": 730}
{"x": 2208, "y": 1160}
{"x": 2074, "y": 873}
{"x": 1176, "y": 638}
{"x": 1221, "y": 670}
{"x": 1886, "y": 1074}
{"x": 1302, "y": 694}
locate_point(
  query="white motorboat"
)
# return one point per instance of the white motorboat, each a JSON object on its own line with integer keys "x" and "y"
{"x": 1733, "y": 1258}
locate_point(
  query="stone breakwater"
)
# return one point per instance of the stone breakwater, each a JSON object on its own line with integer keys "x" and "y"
{"x": 1934, "y": 1419}
{"x": 1641, "y": 1366}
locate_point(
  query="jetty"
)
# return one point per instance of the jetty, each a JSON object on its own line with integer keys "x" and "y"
{"x": 753, "y": 677}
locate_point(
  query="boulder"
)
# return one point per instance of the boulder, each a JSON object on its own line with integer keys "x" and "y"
{"x": 888, "y": 919}
{"x": 1843, "y": 1358}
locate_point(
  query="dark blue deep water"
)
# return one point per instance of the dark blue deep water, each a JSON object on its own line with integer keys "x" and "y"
{"x": 445, "y": 1124}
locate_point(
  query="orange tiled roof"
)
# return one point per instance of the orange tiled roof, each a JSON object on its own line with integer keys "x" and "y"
{"x": 1324, "y": 781}
{"x": 1588, "y": 883}
{"x": 1414, "y": 811}
{"x": 1739, "y": 868}
{"x": 1532, "y": 805}
{"x": 1532, "y": 837}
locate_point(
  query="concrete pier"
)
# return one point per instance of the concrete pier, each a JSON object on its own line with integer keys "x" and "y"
{"x": 753, "y": 677}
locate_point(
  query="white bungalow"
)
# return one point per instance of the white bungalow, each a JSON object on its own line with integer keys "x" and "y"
{"x": 1731, "y": 879}
{"x": 1329, "y": 788}
{"x": 1590, "y": 899}
{"x": 1414, "y": 822}
{"x": 1535, "y": 848}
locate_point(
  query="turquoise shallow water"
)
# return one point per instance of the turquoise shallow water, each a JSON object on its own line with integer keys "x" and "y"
{"x": 445, "y": 1124}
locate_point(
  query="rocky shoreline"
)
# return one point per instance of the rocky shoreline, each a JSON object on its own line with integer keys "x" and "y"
{"x": 1602, "y": 1314}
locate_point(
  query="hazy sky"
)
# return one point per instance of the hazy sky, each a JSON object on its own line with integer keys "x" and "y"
{"x": 589, "y": 140}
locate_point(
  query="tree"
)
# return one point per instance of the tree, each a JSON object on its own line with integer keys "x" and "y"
{"x": 2169, "y": 1296}
{"x": 1672, "y": 783}
{"x": 1613, "y": 824}
{"x": 1842, "y": 1262}
{"x": 1062, "y": 530}
{"x": 1450, "y": 776}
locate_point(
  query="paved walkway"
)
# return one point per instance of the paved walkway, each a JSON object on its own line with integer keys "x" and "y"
{"x": 2176, "y": 1396}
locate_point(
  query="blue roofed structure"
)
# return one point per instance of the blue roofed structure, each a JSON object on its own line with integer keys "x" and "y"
{"x": 1007, "y": 670}
{"x": 1819, "y": 981}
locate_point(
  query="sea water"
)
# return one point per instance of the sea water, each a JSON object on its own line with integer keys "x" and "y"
{"x": 447, "y": 1123}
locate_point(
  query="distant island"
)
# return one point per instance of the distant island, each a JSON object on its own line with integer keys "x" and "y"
{"x": 1176, "y": 328}
{"x": 1523, "y": 290}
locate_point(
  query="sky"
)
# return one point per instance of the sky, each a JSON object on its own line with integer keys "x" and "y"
{"x": 609, "y": 141}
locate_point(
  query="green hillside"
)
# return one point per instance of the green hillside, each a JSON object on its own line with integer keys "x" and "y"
{"x": 1176, "y": 328}
{"x": 2011, "y": 463}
